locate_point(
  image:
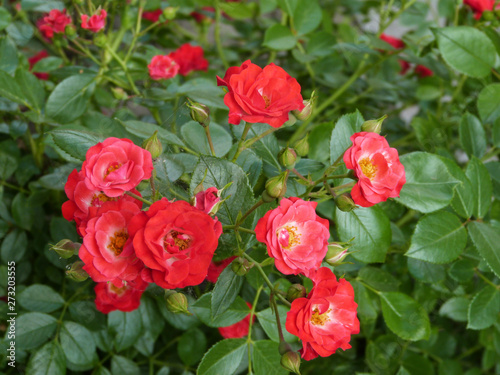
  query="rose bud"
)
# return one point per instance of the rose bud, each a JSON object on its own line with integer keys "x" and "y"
{"x": 305, "y": 113}
{"x": 336, "y": 254}
{"x": 291, "y": 362}
{"x": 153, "y": 145}
{"x": 373, "y": 126}
{"x": 208, "y": 200}
{"x": 176, "y": 302}
{"x": 291, "y": 120}
{"x": 100, "y": 40}
{"x": 70, "y": 31}
{"x": 240, "y": 266}
{"x": 276, "y": 186}
{"x": 66, "y": 248}
{"x": 287, "y": 157}
{"x": 199, "y": 113}
{"x": 76, "y": 272}
{"x": 345, "y": 203}
{"x": 302, "y": 146}
{"x": 170, "y": 12}
{"x": 295, "y": 291}
{"x": 119, "y": 93}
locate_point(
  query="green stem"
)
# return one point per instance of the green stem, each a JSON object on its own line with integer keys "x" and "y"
{"x": 125, "y": 69}
{"x": 218, "y": 42}
{"x": 485, "y": 279}
{"x": 242, "y": 139}
{"x": 250, "y": 325}
{"x": 368, "y": 287}
{"x": 272, "y": 301}
{"x": 240, "y": 229}
{"x": 87, "y": 52}
{"x": 250, "y": 210}
{"x": 209, "y": 138}
{"x": 251, "y": 141}
{"x": 493, "y": 152}
{"x": 410, "y": 214}
{"x": 301, "y": 176}
{"x": 5, "y": 183}
{"x": 136, "y": 33}
{"x": 138, "y": 198}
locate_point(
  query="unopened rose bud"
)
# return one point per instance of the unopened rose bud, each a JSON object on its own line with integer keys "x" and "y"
{"x": 336, "y": 254}
{"x": 287, "y": 157}
{"x": 488, "y": 15}
{"x": 291, "y": 362}
{"x": 267, "y": 198}
{"x": 76, "y": 272}
{"x": 176, "y": 302}
{"x": 199, "y": 113}
{"x": 119, "y": 93}
{"x": 66, "y": 248}
{"x": 295, "y": 291}
{"x": 170, "y": 12}
{"x": 291, "y": 120}
{"x": 153, "y": 145}
{"x": 345, "y": 203}
{"x": 276, "y": 186}
{"x": 208, "y": 200}
{"x": 240, "y": 266}
{"x": 306, "y": 112}
{"x": 70, "y": 31}
{"x": 302, "y": 146}
{"x": 100, "y": 40}
{"x": 373, "y": 126}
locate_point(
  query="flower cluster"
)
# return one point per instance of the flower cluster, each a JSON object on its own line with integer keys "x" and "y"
{"x": 55, "y": 22}
{"x": 184, "y": 60}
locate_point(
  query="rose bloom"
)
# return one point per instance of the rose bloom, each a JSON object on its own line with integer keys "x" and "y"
{"x": 152, "y": 16}
{"x": 83, "y": 202}
{"x": 115, "y": 166}
{"x": 103, "y": 250}
{"x": 397, "y": 44}
{"x": 176, "y": 241}
{"x": 163, "y": 67}
{"x": 216, "y": 268}
{"x": 127, "y": 298}
{"x": 34, "y": 59}
{"x": 237, "y": 330}
{"x": 423, "y": 71}
{"x": 207, "y": 200}
{"x": 53, "y": 23}
{"x": 377, "y": 167}
{"x": 94, "y": 23}
{"x": 295, "y": 236}
{"x": 479, "y": 6}
{"x": 326, "y": 319}
{"x": 260, "y": 95}
{"x": 189, "y": 58}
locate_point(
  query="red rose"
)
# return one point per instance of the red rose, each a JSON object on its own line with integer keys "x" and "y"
{"x": 115, "y": 166}
{"x": 376, "y": 166}
{"x": 94, "y": 23}
{"x": 479, "y": 6}
{"x": 326, "y": 319}
{"x": 162, "y": 67}
{"x": 152, "y": 16}
{"x": 127, "y": 298}
{"x": 260, "y": 95}
{"x": 83, "y": 202}
{"x": 216, "y": 268}
{"x": 207, "y": 200}
{"x": 295, "y": 236}
{"x": 237, "y": 330}
{"x": 53, "y": 23}
{"x": 189, "y": 58}
{"x": 176, "y": 241}
{"x": 397, "y": 44}
{"x": 423, "y": 71}
{"x": 34, "y": 59}
{"x": 104, "y": 250}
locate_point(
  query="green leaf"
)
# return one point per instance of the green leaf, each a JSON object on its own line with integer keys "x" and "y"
{"x": 20, "y": 32}
{"x": 14, "y": 246}
{"x": 346, "y": 126}
{"x": 279, "y": 37}
{"x": 429, "y": 184}
{"x": 41, "y": 5}
{"x": 195, "y": 136}
{"x": 5, "y": 18}
{"x": 370, "y": 229}
{"x": 85, "y": 313}
{"x": 223, "y": 358}
{"x": 267, "y": 320}
{"x": 482, "y": 188}
{"x": 225, "y": 291}
{"x": 251, "y": 164}
{"x": 22, "y": 211}
{"x": 11, "y": 90}
{"x": 307, "y": 16}
{"x": 236, "y": 312}
{"x": 463, "y": 199}
{"x": 48, "y": 360}
{"x": 266, "y": 358}
{"x": 32, "y": 88}
{"x": 484, "y": 308}
{"x": 8, "y": 56}
{"x": 238, "y": 11}
{"x": 488, "y": 103}
{"x": 472, "y": 135}
{"x": 462, "y": 270}
{"x": 404, "y": 316}
{"x": 74, "y": 142}
{"x": 123, "y": 366}
{"x": 486, "y": 239}
{"x": 125, "y": 327}
{"x": 191, "y": 346}
{"x": 455, "y": 308}
{"x": 146, "y": 130}
{"x": 379, "y": 279}
{"x": 77, "y": 343}
{"x": 47, "y": 64}
{"x": 69, "y": 99}
{"x": 319, "y": 142}
{"x": 8, "y": 165}
{"x": 33, "y": 329}
{"x": 40, "y": 298}
{"x": 439, "y": 238}
{"x": 425, "y": 271}
{"x": 467, "y": 50}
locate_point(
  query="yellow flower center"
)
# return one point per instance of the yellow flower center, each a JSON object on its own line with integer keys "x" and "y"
{"x": 266, "y": 100}
{"x": 116, "y": 290}
{"x": 320, "y": 319}
{"x": 178, "y": 239}
{"x": 112, "y": 168}
{"x": 288, "y": 237}
{"x": 117, "y": 242}
{"x": 368, "y": 168}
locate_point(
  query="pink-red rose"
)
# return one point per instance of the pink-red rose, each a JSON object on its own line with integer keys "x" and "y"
{"x": 53, "y": 23}
{"x": 237, "y": 330}
{"x": 115, "y": 166}
{"x": 152, "y": 16}
{"x": 127, "y": 298}
{"x": 104, "y": 250}
{"x": 34, "y": 59}
{"x": 94, "y": 23}
{"x": 295, "y": 236}
{"x": 207, "y": 200}
{"x": 189, "y": 58}
{"x": 480, "y": 6}
{"x": 260, "y": 95}
{"x": 216, "y": 268}
{"x": 162, "y": 67}
{"x": 176, "y": 242}
{"x": 377, "y": 167}
{"x": 326, "y": 319}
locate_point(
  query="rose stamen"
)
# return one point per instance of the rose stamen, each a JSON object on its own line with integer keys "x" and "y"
{"x": 118, "y": 291}
{"x": 288, "y": 237}
{"x": 368, "y": 168}
{"x": 98, "y": 199}
{"x": 320, "y": 319}
{"x": 117, "y": 242}
{"x": 112, "y": 168}
{"x": 266, "y": 100}
{"x": 177, "y": 239}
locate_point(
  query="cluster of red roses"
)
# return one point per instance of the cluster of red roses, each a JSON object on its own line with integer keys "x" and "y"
{"x": 56, "y": 21}
{"x": 481, "y": 6}
{"x": 184, "y": 60}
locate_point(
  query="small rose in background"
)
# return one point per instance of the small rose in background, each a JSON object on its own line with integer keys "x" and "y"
{"x": 53, "y": 23}
{"x": 189, "y": 58}
{"x": 397, "y": 44}
{"x": 480, "y": 6}
{"x": 163, "y": 67}
{"x": 94, "y": 23}
{"x": 152, "y": 16}
{"x": 237, "y": 330}
{"x": 216, "y": 268}
{"x": 208, "y": 200}
{"x": 127, "y": 298}
{"x": 34, "y": 59}
{"x": 423, "y": 71}
{"x": 377, "y": 167}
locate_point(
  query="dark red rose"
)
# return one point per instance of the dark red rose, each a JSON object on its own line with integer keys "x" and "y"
{"x": 237, "y": 330}
{"x": 397, "y": 44}
{"x": 127, "y": 298}
{"x": 152, "y": 16}
{"x": 34, "y": 59}
{"x": 216, "y": 268}
{"x": 423, "y": 71}
{"x": 189, "y": 58}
